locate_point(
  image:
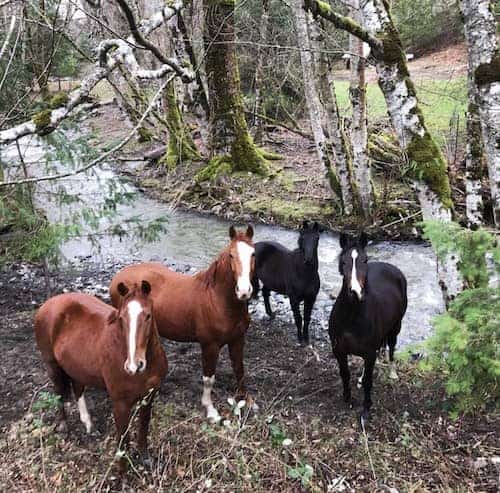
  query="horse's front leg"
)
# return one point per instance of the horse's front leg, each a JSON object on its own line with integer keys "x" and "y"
{"x": 209, "y": 355}
{"x": 144, "y": 419}
{"x": 308, "y": 306}
{"x": 295, "y": 304}
{"x": 122, "y": 411}
{"x": 345, "y": 375}
{"x": 266, "y": 293}
{"x": 367, "y": 384}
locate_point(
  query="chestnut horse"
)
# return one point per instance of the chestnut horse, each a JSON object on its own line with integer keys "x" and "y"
{"x": 209, "y": 307}
{"x": 85, "y": 342}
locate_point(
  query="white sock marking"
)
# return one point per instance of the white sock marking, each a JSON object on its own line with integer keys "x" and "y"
{"x": 134, "y": 309}
{"x": 84, "y": 413}
{"x": 206, "y": 399}
{"x": 392, "y": 372}
{"x": 355, "y": 286}
{"x": 360, "y": 379}
{"x": 243, "y": 284}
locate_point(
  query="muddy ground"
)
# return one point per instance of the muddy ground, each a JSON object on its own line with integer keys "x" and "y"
{"x": 410, "y": 444}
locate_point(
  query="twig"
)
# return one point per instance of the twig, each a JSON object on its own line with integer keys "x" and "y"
{"x": 368, "y": 449}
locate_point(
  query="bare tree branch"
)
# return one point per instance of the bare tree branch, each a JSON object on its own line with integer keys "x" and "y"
{"x": 9, "y": 34}
{"x": 100, "y": 158}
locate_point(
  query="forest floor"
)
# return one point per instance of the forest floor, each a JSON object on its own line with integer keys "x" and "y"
{"x": 296, "y": 187}
{"x": 304, "y": 437}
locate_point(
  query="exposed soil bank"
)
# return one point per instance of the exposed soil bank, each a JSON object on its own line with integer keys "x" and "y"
{"x": 410, "y": 444}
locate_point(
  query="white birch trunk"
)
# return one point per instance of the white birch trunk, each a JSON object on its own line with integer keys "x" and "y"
{"x": 359, "y": 128}
{"x": 259, "y": 72}
{"x": 331, "y": 120}
{"x": 473, "y": 158}
{"x": 316, "y": 114}
{"x": 484, "y": 55}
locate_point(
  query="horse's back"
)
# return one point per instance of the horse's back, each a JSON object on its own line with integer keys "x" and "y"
{"x": 176, "y": 297}
{"x": 70, "y": 320}
{"x": 273, "y": 265}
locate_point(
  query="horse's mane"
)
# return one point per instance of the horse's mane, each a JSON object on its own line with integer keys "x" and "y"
{"x": 207, "y": 276}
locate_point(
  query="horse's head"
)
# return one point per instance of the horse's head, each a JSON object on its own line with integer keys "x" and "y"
{"x": 242, "y": 260}
{"x": 353, "y": 264}
{"x": 308, "y": 241}
{"x": 135, "y": 318}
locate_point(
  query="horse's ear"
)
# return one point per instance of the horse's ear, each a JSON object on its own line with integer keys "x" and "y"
{"x": 317, "y": 227}
{"x": 305, "y": 224}
{"x": 232, "y": 232}
{"x": 122, "y": 289}
{"x": 250, "y": 231}
{"x": 344, "y": 240}
{"x": 363, "y": 240}
{"x": 145, "y": 287}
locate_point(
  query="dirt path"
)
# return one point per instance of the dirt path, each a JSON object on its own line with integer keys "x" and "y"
{"x": 410, "y": 444}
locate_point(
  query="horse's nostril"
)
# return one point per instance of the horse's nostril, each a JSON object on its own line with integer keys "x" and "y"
{"x": 141, "y": 365}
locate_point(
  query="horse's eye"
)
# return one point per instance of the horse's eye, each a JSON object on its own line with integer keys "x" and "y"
{"x": 230, "y": 255}
{"x": 148, "y": 316}
{"x": 253, "y": 254}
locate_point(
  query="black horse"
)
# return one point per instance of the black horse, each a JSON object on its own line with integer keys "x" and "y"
{"x": 367, "y": 313}
{"x": 292, "y": 273}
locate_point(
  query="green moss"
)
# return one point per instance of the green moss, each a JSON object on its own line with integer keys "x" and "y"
{"x": 284, "y": 210}
{"x": 430, "y": 166}
{"x": 217, "y": 166}
{"x": 181, "y": 147}
{"x": 145, "y": 135}
{"x": 487, "y": 73}
{"x": 57, "y": 100}
{"x": 42, "y": 119}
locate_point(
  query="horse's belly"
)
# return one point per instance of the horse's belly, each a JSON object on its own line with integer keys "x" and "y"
{"x": 79, "y": 362}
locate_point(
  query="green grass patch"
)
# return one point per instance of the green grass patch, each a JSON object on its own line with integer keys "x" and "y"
{"x": 286, "y": 210}
{"x": 441, "y": 102}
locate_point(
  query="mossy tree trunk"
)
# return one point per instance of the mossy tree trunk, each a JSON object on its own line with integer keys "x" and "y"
{"x": 231, "y": 146}
{"x": 484, "y": 57}
{"x": 474, "y": 161}
{"x": 359, "y": 127}
{"x": 181, "y": 147}
{"x": 426, "y": 159}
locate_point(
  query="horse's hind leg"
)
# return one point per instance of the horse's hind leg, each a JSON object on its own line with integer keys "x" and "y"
{"x": 62, "y": 387}
{"x": 78, "y": 390}
{"x": 265, "y": 294}
{"x": 295, "y": 304}
{"x": 210, "y": 355}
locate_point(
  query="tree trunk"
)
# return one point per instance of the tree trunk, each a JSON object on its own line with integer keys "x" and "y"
{"x": 316, "y": 113}
{"x": 181, "y": 146}
{"x": 484, "y": 57}
{"x": 231, "y": 146}
{"x": 474, "y": 163}
{"x": 331, "y": 120}
{"x": 259, "y": 73}
{"x": 359, "y": 127}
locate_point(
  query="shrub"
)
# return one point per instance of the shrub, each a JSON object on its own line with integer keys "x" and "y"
{"x": 465, "y": 345}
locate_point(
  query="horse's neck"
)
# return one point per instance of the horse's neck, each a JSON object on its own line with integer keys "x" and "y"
{"x": 299, "y": 261}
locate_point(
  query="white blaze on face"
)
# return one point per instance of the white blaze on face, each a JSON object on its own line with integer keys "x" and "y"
{"x": 243, "y": 283}
{"x": 134, "y": 309}
{"x": 355, "y": 286}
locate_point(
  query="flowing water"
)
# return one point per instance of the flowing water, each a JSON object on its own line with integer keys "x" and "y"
{"x": 192, "y": 241}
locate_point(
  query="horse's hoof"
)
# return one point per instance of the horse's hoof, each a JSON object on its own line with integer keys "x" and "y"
{"x": 393, "y": 375}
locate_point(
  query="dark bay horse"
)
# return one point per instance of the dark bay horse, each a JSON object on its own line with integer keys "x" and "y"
{"x": 292, "y": 273}
{"x": 209, "y": 308}
{"x": 367, "y": 313}
{"x": 85, "y": 342}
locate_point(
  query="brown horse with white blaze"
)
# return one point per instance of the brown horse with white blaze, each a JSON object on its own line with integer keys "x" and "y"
{"x": 85, "y": 342}
{"x": 209, "y": 307}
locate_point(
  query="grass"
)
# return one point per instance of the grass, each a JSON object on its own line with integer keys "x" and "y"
{"x": 441, "y": 102}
